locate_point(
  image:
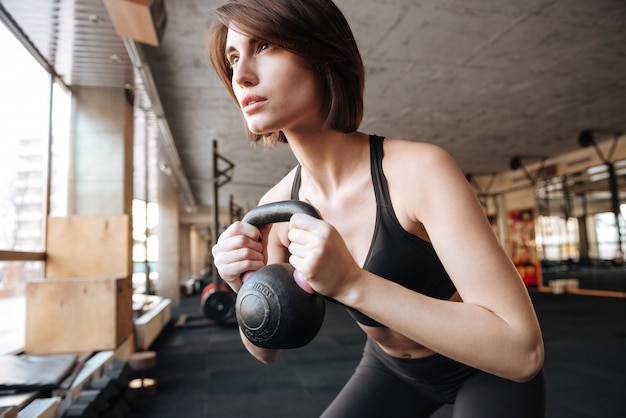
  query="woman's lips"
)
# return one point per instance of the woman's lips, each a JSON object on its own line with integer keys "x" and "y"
{"x": 252, "y": 103}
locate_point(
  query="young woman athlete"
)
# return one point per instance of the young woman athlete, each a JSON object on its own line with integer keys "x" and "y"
{"x": 403, "y": 243}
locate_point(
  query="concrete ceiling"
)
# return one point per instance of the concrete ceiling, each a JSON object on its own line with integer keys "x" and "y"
{"x": 485, "y": 79}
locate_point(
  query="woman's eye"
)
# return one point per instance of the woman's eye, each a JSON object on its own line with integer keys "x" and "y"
{"x": 263, "y": 46}
{"x": 232, "y": 60}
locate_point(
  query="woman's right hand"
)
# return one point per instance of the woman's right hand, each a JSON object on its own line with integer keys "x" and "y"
{"x": 239, "y": 249}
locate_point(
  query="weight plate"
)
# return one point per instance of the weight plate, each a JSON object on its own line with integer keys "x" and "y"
{"x": 218, "y": 305}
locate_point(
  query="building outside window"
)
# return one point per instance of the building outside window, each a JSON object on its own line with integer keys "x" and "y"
{"x": 25, "y": 132}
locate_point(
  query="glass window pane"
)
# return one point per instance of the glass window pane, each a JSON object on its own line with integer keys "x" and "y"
{"x": 24, "y": 126}
{"x": 60, "y": 153}
{"x": 606, "y": 232}
{"x": 14, "y": 274}
{"x": 12, "y": 322}
{"x": 558, "y": 238}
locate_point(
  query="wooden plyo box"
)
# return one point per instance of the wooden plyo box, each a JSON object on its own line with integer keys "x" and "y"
{"x": 141, "y": 20}
{"x": 88, "y": 246}
{"x": 85, "y": 301}
{"x": 77, "y": 315}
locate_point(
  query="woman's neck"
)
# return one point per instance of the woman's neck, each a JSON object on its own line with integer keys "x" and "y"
{"x": 330, "y": 159}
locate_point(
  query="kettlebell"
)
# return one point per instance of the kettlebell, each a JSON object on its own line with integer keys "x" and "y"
{"x": 272, "y": 310}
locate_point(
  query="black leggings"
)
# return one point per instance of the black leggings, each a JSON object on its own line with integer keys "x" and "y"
{"x": 384, "y": 386}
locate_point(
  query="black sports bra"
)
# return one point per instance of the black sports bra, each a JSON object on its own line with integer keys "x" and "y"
{"x": 394, "y": 253}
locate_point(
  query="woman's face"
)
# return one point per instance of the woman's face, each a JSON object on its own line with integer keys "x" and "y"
{"x": 275, "y": 89}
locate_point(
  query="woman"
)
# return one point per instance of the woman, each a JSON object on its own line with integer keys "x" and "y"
{"x": 403, "y": 243}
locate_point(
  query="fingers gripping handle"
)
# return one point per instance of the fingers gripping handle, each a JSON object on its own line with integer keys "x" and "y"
{"x": 281, "y": 212}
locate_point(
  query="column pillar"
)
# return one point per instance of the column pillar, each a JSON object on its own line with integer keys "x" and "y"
{"x": 169, "y": 239}
{"x": 101, "y": 181}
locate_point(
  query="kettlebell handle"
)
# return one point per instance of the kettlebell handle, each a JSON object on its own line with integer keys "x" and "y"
{"x": 278, "y": 212}
{"x": 272, "y": 310}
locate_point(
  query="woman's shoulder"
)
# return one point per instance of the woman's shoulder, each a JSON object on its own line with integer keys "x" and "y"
{"x": 423, "y": 176}
{"x": 415, "y": 155}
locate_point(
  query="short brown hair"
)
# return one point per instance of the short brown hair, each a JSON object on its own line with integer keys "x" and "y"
{"x": 315, "y": 30}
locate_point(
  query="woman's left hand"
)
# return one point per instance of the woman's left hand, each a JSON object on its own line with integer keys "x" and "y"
{"x": 320, "y": 255}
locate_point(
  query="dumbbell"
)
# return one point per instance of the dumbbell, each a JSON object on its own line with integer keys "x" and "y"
{"x": 272, "y": 310}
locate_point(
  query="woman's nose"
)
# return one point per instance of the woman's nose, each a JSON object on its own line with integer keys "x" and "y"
{"x": 244, "y": 74}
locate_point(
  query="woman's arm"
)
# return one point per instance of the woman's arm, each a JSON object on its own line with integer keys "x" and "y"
{"x": 495, "y": 327}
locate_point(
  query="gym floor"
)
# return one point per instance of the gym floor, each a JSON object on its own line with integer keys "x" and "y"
{"x": 204, "y": 371}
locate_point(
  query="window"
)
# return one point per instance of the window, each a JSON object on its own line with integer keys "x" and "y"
{"x": 606, "y": 233}
{"x": 25, "y": 129}
{"x": 24, "y": 106}
{"x": 557, "y": 238}
{"x": 60, "y": 151}
{"x": 145, "y": 245}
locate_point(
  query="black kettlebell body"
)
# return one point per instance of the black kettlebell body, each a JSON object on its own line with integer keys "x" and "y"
{"x": 272, "y": 310}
